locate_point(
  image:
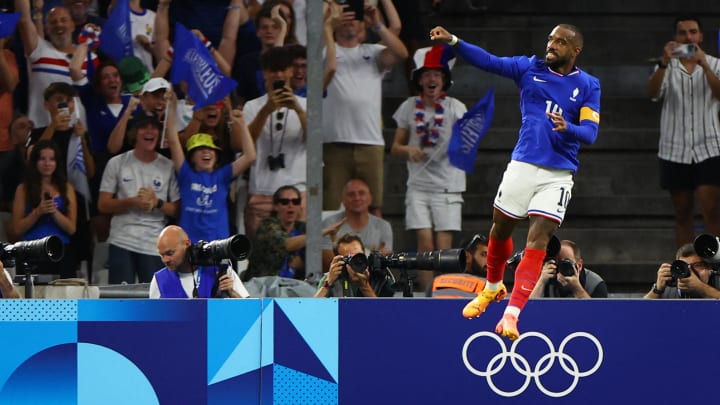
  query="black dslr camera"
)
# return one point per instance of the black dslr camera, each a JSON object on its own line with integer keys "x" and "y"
{"x": 678, "y": 269}
{"x": 566, "y": 267}
{"x": 276, "y": 162}
{"x": 204, "y": 253}
{"x": 357, "y": 262}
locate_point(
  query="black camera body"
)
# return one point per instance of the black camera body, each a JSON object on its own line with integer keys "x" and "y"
{"x": 678, "y": 269}
{"x": 357, "y": 262}
{"x": 236, "y": 247}
{"x": 47, "y": 249}
{"x": 566, "y": 267}
{"x": 276, "y": 162}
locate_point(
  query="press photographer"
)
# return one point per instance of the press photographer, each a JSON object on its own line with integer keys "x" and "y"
{"x": 369, "y": 275}
{"x": 195, "y": 270}
{"x": 564, "y": 275}
{"x": 349, "y": 274}
{"x": 689, "y": 276}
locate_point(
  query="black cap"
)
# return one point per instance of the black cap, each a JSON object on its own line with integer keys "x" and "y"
{"x": 470, "y": 244}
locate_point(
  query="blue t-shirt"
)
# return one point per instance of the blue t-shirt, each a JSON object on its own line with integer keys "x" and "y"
{"x": 100, "y": 120}
{"x": 46, "y": 225}
{"x": 203, "y": 200}
{"x": 576, "y": 95}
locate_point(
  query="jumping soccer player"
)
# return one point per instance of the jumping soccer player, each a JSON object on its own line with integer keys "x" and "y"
{"x": 560, "y": 107}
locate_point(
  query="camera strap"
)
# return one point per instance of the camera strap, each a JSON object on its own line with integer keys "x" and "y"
{"x": 196, "y": 282}
{"x": 272, "y": 130}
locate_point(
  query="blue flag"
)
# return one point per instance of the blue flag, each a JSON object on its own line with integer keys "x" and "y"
{"x": 469, "y": 130}
{"x": 8, "y": 22}
{"x": 193, "y": 63}
{"x": 116, "y": 36}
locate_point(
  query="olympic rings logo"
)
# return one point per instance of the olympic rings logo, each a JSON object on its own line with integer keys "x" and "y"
{"x": 522, "y": 366}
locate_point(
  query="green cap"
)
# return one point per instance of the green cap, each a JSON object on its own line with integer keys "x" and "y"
{"x": 134, "y": 74}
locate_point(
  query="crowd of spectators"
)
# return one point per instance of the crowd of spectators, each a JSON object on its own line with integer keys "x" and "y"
{"x": 100, "y": 148}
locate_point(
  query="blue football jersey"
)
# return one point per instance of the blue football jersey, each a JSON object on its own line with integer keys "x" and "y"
{"x": 575, "y": 95}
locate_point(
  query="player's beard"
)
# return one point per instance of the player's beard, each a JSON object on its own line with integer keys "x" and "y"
{"x": 478, "y": 270}
{"x": 557, "y": 62}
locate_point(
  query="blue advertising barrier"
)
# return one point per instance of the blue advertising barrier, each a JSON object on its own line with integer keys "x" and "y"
{"x": 354, "y": 351}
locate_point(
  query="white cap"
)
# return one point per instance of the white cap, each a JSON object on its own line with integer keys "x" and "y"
{"x": 154, "y": 84}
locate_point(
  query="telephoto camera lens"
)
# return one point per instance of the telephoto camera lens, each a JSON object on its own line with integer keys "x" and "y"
{"x": 443, "y": 260}
{"x": 707, "y": 247}
{"x": 47, "y": 249}
{"x": 236, "y": 247}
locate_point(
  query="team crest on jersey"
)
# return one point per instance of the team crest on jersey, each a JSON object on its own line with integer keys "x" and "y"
{"x": 575, "y": 94}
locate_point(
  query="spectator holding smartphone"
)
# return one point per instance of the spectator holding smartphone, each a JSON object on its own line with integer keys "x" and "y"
{"x": 45, "y": 205}
{"x": 75, "y": 158}
{"x": 277, "y": 123}
{"x": 354, "y": 146}
{"x": 688, "y": 150}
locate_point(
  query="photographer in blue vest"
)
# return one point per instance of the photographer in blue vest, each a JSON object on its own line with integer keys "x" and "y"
{"x": 565, "y": 276}
{"x": 182, "y": 279}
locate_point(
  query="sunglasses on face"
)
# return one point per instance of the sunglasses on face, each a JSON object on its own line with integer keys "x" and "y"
{"x": 286, "y": 201}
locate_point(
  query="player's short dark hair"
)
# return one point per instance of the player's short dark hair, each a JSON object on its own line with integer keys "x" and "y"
{"x": 578, "y": 39}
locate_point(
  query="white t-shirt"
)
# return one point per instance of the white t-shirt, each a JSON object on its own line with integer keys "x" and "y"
{"x": 352, "y": 109}
{"x": 437, "y": 174}
{"x": 124, "y": 174}
{"x": 187, "y": 280}
{"x": 47, "y": 65}
{"x": 272, "y": 141}
{"x": 143, "y": 24}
